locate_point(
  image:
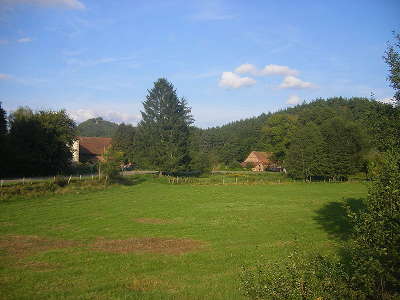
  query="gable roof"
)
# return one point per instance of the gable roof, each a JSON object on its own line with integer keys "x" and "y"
{"x": 263, "y": 157}
{"x": 256, "y": 157}
{"x": 93, "y": 145}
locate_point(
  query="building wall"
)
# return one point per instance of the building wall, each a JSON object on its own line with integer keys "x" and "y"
{"x": 75, "y": 151}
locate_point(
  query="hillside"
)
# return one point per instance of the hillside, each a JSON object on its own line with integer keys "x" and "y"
{"x": 271, "y": 132}
{"x": 97, "y": 127}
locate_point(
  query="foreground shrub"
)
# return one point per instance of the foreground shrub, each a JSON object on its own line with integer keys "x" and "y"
{"x": 297, "y": 278}
{"x": 375, "y": 246}
{"x": 110, "y": 167}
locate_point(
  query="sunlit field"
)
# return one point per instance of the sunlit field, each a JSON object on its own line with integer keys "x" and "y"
{"x": 155, "y": 240}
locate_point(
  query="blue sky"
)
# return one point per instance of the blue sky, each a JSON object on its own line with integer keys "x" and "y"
{"x": 229, "y": 59}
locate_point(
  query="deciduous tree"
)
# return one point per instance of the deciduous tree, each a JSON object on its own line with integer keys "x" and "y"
{"x": 392, "y": 58}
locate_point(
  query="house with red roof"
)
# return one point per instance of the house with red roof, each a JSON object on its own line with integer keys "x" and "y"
{"x": 90, "y": 149}
{"x": 260, "y": 161}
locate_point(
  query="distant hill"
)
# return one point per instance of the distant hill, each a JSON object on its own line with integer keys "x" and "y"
{"x": 97, "y": 127}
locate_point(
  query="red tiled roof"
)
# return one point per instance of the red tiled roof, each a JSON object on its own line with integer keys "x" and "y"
{"x": 93, "y": 145}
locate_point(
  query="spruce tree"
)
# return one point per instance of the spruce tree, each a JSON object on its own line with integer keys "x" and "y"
{"x": 163, "y": 133}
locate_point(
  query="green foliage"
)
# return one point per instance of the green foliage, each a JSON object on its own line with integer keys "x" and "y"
{"x": 3, "y": 122}
{"x": 111, "y": 166}
{"x": 375, "y": 245}
{"x": 61, "y": 181}
{"x": 163, "y": 133}
{"x": 344, "y": 147}
{"x": 306, "y": 157}
{"x": 392, "y": 58}
{"x": 277, "y": 133}
{"x": 233, "y": 141}
{"x": 297, "y": 277}
{"x": 124, "y": 140}
{"x": 40, "y": 142}
{"x": 97, "y": 127}
{"x": 4, "y": 149}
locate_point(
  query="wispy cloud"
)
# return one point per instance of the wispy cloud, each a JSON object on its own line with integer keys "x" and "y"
{"x": 3, "y": 42}
{"x": 73, "y": 52}
{"x": 293, "y": 100}
{"x": 211, "y": 16}
{"x": 267, "y": 70}
{"x": 232, "y": 80}
{"x": 81, "y": 115}
{"x": 99, "y": 61}
{"x": 291, "y": 82}
{"x": 24, "y": 40}
{"x": 67, "y": 4}
{"x": 212, "y": 11}
{"x": 5, "y": 76}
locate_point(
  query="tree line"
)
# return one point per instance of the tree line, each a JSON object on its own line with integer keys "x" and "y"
{"x": 326, "y": 138}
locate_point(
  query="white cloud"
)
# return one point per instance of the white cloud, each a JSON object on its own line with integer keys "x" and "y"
{"x": 24, "y": 40}
{"x": 278, "y": 70}
{"x": 295, "y": 83}
{"x": 293, "y": 100}
{"x": 4, "y": 76}
{"x": 246, "y": 68}
{"x": 81, "y": 115}
{"x": 69, "y": 4}
{"x": 267, "y": 70}
{"x": 232, "y": 80}
{"x": 387, "y": 100}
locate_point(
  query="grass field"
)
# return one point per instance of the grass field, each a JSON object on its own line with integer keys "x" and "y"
{"x": 154, "y": 240}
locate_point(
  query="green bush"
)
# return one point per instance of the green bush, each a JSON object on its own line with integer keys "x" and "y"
{"x": 61, "y": 181}
{"x": 110, "y": 167}
{"x": 297, "y": 278}
{"x": 375, "y": 245}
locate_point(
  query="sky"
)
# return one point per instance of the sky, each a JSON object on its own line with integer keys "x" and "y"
{"x": 230, "y": 59}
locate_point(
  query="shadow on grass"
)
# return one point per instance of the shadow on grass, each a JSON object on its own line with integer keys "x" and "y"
{"x": 334, "y": 219}
{"x": 129, "y": 180}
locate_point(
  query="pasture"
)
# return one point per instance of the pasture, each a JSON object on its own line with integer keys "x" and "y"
{"x": 155, "y": 240}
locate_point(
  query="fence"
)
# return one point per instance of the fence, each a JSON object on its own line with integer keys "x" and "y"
{"x": 30, "y": 180}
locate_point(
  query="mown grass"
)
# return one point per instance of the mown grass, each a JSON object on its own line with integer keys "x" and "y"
{"x": 236, "y": 224}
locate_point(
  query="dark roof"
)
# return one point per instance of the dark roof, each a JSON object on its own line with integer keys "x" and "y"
{"x": 93, "y": 145}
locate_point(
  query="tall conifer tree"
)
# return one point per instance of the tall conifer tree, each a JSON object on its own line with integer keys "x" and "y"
{"x": 164, "y": 130}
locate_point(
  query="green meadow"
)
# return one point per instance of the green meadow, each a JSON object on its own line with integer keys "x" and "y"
{"x": 155, "y": 240}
